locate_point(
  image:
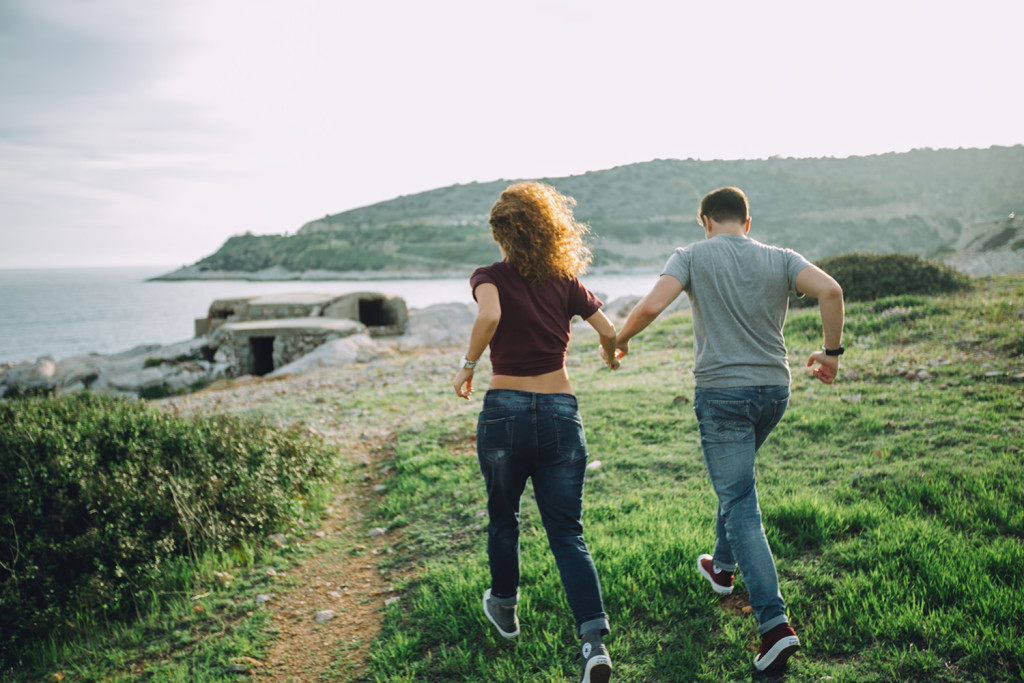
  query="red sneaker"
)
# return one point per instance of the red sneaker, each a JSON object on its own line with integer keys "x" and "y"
{"x": 721, "y": 581}
{"x": 777, "y": 645}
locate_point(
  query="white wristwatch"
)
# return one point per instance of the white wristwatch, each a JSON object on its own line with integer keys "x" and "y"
{"x": 467, "y": 363}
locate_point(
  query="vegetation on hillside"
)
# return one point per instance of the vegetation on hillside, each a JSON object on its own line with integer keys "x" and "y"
{"x": 914, "y": 202}
{"x": 866, "y": 276}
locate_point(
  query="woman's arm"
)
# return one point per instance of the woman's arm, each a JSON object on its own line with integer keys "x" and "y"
{"x": 487, "y": 316}
{"x": 606, "y": 331}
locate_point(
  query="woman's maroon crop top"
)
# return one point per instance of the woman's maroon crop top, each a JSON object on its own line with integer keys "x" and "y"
{"x": 533, "y": 332}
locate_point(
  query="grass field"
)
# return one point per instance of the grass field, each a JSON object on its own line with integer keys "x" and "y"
{"x": 893, "y": 500}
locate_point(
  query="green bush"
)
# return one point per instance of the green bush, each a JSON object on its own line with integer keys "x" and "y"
{"x": 100, "y": 495}
{"x": 866, "y": 277}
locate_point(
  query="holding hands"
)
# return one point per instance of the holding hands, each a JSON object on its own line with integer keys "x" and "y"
{"x": 613, "y": 360}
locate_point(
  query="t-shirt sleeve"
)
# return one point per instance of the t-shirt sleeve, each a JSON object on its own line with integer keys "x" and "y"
{"x": 582, "y": 301}
{"x": 481, "y": 275}
{"x": 678, "y": 266}
{"x": 794, "y": 264}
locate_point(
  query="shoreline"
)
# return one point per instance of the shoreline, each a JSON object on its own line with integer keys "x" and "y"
{"x": 277, "y": 274}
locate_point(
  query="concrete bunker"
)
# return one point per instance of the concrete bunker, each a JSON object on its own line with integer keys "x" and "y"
{"x": 261, "y": 355}
{"x": 257, "y": 335}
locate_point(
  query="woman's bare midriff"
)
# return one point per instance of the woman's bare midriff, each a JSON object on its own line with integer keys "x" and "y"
{"x": 556, "y": 382}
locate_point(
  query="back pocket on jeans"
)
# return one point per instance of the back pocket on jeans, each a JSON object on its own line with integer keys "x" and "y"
{"x": 494, "y": 438}
{"x": 572, "y": 443}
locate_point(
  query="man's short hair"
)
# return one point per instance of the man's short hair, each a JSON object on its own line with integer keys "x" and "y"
{"x": 724, "y": 205}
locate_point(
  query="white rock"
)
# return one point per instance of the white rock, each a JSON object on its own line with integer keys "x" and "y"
{"x": 439, "y": 325}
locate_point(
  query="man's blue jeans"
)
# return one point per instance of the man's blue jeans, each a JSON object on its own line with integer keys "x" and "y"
{"x": 733, "y": 425}
{"x": 520, "y": 436}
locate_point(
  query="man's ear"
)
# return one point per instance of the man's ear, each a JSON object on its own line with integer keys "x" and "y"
{"x": 746, "y": 226}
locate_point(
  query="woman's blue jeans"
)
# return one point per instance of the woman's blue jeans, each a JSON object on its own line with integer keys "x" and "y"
{"x": 520, "y": 436}
{"x": 733, "y": 425}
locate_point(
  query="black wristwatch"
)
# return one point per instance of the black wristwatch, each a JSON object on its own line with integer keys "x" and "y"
{"x": 834, "y": 352}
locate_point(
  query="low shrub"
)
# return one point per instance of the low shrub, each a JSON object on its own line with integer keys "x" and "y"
{"x": 100, "y": 495}
{"x": 865, "y": 276}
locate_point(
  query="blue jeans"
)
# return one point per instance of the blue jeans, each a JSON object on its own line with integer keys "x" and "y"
{"x": 733, "y": 425}
{"x": 520, "y": 436}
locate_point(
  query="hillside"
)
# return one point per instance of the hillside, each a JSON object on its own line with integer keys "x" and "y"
{"x": 914, "y": 202}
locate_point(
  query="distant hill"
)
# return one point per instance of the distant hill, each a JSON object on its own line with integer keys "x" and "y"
{"x": 989, "y": 247}
{"x": 915, "y": 202}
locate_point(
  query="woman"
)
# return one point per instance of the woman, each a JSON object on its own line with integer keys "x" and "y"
{"x": 530, "y": 427}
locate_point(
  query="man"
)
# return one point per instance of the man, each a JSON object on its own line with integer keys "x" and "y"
{"x": 739, "y": 295}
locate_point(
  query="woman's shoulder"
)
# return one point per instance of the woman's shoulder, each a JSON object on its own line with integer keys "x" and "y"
{"x": 495, "y": 268}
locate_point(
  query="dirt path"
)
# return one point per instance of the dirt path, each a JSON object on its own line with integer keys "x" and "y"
{"x": 342, "y": 575}
{"x": 350, "y": 585}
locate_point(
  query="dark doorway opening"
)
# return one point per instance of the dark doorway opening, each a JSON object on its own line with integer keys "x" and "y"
{"x": 261, "y": 350}
{"x": 372, "y": 313}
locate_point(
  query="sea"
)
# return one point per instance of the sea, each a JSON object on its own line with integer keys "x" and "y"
{"x": 64, "y": 312}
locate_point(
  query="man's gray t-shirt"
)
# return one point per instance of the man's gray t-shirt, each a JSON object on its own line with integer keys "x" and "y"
{"x": 739, "y": 294}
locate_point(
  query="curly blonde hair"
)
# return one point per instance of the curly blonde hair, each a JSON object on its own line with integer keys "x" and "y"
{"x": 534, "y": 224}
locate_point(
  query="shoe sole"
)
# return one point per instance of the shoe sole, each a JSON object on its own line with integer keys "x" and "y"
{"x": 721, "y": 590}
{"x": 599, "y": 670}
{"x": 504, "y": 633}
{"x": 778, "y": 655}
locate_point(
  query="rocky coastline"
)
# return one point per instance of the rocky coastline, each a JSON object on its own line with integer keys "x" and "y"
{"x": 158, "y": 371}
{"x": 279, "y": 274}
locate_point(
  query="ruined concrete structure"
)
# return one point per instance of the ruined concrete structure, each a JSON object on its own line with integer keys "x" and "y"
{"x": 255, "y": 335}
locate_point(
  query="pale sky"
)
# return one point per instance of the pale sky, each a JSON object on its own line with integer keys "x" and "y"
{"x": 137, "y": 133}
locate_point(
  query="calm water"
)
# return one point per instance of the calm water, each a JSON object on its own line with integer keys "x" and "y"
{"x": 70, "y": 311}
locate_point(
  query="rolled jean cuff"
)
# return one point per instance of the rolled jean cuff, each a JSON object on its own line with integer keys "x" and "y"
{"x": 723, "y": 566}
{"x": 600, "y": 623}
{"x": 505, "y": 602}
{"x": 772, "y": 623}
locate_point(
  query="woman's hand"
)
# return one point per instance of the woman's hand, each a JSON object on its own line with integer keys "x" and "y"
{"x": 463, "y": 383}
{"x": 611, "y": 361}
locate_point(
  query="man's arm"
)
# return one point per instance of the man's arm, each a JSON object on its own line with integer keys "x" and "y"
{"x": 813, "y": 281}
{"x": 664, "y": 292}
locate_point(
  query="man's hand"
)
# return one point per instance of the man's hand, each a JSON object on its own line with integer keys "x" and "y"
{"x": 827, "y": 366}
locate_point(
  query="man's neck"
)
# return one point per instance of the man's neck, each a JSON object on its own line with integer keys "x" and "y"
{"x": 714, "y": 228}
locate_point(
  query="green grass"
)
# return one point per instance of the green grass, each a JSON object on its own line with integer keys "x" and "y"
{"x": 895, "y": 508}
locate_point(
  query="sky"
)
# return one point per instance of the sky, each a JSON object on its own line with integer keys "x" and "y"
{"x": 148, "y": 133}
